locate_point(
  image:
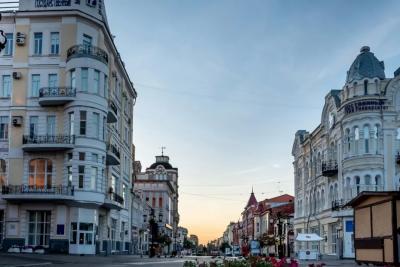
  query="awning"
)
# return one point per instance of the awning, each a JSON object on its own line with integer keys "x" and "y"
{"x": 308, "y": 237}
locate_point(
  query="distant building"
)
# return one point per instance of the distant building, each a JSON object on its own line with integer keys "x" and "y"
{"x": 181, "y": 236}
{"x": 194, "y": 239}
{"x": 159, "y": 187}
{"x": 354, "y": 148}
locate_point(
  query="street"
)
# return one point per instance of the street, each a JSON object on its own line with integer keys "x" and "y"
{"x": 28, "y": 260}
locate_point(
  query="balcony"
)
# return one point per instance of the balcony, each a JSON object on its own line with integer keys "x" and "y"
{"x": 34, "y": 143}
{"x": 29, "y": 193}
{"x": 114, "y": 201}
{"x": 113, "y": 155}
{"x": 91, "y": 51}
{"x": 55, "y": 96}
{"x": 112, "y": 115}
{"x": 330, "y": 168}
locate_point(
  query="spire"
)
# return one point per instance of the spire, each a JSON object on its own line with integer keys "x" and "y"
{"x": 252, "y": 190}
{"x": 252, "y": 200}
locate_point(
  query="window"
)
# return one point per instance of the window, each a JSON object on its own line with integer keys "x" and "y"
{"x": 87, "y": 42}
{"x": 5, "y": 86}
{"x": 82, "y": 125}
{"x": 84, "y": 79}
{"x": 113, "y": 234}
{"x": 3, "y": 174}
{"x": 96, "y": 81}
{"x": 93, "y": 178}
{"x": 73, "y": 78}
{"x": 356, "y": 133}
{"x": 366, "y": 139}
{"x": 33, "y": 125}
{"x": 160, "y": 202}
{"x": 40, "y": 173}
{"x": 124, "y": 192}
{"x": 82, "y": 156}
{"x": 71, "y": 122}
{"x": 54, "y": 43}
{"x": 38, "y": 42}
{"x": 4, "y": 121}
{"x": 1, "y": 225}
{"x": 35, "y": 85}
{"x": 96, "y": 125}
{"x": 74, "y": 233}
{"x": 104, "y": 128}
{"x": 51, "y": 125}
{"x": 378, "y": 183}
{"x": 8, "y": 50}
{"x": 39, "y": 228}
{"x": 95, "y": 158}
{"x": 53, "y": 80}
{"x": 69, "y": 175}
{"x": 365, "y": 87}
{"x": 85, "y": 233}
{"x": 358, "y": 186}
{"x": 69, "y": 157}
{"x": 81, "y": 176}
{"x": 105, "y": 87}
{"x": 115, "y": 184}
{"x": 153, "y": 203}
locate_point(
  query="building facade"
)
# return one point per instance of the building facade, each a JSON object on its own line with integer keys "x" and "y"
{"x": 66, "y": 107}
{"x": 159, "y": 187}
{"x": 355, "y": 148}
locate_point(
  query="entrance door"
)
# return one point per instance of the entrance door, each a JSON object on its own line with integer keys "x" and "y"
{"x": 82, "y": 238}
{"x": 348, "y": 239}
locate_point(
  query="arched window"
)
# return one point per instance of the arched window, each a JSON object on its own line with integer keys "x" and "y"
{"x": 366, "y": 139}
{"x": 3, "y": 172}
{"x": 307, "y": 171}
{"x": 331, "y": 196}
{"x": 367, "y": 182}
{"x": 365, "y": 87}
{"x": 319, "y": 162}
{"x": 356, "y": 139}
{"x": 348, "y": 139}
{"x": 336, "y": 192}
{"x": 322, "y": 199}
{"x": 378, "y": 183}
{"x": 306, "y": 211}
{"x": 357, "y": 181}
{"x": 40, "y": 173}
{"x": 348, "y": 188}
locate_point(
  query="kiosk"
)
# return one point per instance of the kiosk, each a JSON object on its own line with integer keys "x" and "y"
{"x": 308, "y": 254}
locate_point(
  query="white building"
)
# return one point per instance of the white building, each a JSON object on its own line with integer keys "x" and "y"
{"x": 66, "y": 107}
{"x": 354, "y": 148}
{"x": 159, "y": 187}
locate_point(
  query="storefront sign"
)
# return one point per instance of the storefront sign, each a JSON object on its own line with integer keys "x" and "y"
{"x": 52, "y": 3}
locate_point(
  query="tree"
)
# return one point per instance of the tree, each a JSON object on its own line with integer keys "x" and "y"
{"x": 187, "y": 244}
{"x": 223, "y": 246}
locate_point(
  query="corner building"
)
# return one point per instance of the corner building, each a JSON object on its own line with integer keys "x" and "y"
{"x": 66, "y": 104}
{"x": 355, "y": 148}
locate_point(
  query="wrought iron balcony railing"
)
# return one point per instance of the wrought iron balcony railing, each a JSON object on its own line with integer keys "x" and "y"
{"x": 114, "y": 150}
{"x": 37, "y": 190}
{"x": 48, "y": 139}
{"x": 87, "y": 51}
{"x": 329, "y": 168}
{"x": 57, "y": 92}
{"x": 117, "y": 198}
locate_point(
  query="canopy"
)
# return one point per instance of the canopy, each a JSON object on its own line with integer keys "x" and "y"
{"x": 308, "y": 237}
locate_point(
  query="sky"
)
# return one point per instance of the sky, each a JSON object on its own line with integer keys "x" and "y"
{"x": 225, "y": 84}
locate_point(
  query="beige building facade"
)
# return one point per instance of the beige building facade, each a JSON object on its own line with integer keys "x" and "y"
{"x": 66, "y": 108}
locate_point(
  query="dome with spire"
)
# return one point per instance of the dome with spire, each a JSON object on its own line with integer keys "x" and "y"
{"x": 366, "y": 65}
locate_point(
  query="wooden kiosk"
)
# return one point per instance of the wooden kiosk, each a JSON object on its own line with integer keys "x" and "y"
{"x": 376, "y": 227}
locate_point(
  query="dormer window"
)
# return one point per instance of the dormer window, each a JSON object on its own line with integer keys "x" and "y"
{"x": 91, "y": 3}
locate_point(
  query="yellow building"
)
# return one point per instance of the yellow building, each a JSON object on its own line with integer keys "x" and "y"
{"x": 66, "y": 107}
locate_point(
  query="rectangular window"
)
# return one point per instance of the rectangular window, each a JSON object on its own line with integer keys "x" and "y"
{"x": 96, "y": 125}
{"x": 93, "y": 178}
{"x": 105, "y": 87}
{"x": 87, "y": 41}
{"x": 38, "y": 43}
{"x": 69, "y": 175}
{"x": 35, "y": 85}
{"x": 4, "y": 121}
{"x": 82, "y": 156}
{"x": 96, "y": 81}
{"x": 53, "y": 80}
{"x": 104, "y": 128}
{"x": 51, "y": 125}
{"x": 73, "y": 78}
{"x": 1, "y": 225}
{"x": 95, "y": 158}
{"x": 33, "y": 125}
{"x": 84, "y": 79}
{"x": 71, "y": 122}
{"x": 82, "y": 123}
{"x": 54, "y": 43}
{"x": 8, "y": 50}
{"x": 160, "y": 202}
{"x": 69, "y": 157}
{"x": 81, "y": 176}
{"x": 39, "y": 228}
{"x": 5, "y": 86}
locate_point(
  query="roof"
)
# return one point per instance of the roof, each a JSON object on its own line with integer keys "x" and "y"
{"x": 366, "y": 65}
{"x": 166, "y": 165}
{"x": 366, "y": 194}
{"x": 252, "y": 200}
{"x": 308, "y": 237}
{"x": 281, "y": 198}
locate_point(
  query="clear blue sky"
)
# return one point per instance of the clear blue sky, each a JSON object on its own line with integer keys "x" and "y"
{"x": 224, "y": 85}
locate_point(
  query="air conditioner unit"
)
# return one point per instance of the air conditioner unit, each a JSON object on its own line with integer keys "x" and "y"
{"x": 17, "y": 75}
{"x": 16, "y": 120}
{"x": 20, "y": 38}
